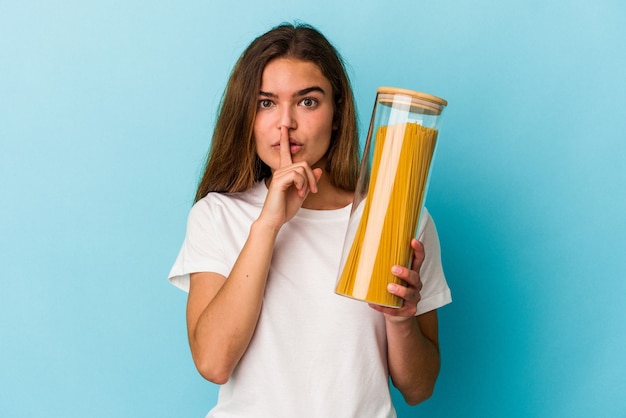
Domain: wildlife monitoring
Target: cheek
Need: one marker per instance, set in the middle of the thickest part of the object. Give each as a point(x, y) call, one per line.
point(324, 128)
point(323, 122)
point(262, 149)
point(330, 127)
point(265, 130)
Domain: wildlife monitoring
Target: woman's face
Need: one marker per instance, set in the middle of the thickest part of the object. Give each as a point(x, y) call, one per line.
point(294, 94)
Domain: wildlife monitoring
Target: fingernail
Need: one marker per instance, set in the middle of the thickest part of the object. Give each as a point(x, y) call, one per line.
point(396, 269)
point(392, 287)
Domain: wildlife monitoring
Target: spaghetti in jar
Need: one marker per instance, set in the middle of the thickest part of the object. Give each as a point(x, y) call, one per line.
point(390, 193)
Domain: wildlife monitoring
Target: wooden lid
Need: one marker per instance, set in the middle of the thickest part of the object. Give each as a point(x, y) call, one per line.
point(418, 99)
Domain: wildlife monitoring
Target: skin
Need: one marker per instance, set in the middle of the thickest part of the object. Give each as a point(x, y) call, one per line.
point(292, 131)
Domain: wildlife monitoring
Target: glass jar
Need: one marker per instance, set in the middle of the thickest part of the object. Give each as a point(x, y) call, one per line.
point(390, 193)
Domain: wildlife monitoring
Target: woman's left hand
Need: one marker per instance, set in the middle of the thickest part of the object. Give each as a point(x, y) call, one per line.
point(409, 293)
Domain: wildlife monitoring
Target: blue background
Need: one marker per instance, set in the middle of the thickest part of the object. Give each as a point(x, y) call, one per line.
point(106, 110)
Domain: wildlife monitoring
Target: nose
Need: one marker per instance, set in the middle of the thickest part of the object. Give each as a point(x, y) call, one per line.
point(287, 118)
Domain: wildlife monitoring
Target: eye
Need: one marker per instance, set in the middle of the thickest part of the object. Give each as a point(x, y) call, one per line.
point(309, 102)
point(265, 104)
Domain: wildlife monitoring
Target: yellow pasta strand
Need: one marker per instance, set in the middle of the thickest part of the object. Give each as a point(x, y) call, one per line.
point(400, 166)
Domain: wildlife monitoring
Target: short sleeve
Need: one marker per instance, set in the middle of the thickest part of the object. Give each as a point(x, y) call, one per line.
point(435, 292)
point(201, 250)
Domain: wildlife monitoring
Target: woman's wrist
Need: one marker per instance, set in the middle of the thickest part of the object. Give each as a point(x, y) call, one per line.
point(260, 226)
point(402, 324)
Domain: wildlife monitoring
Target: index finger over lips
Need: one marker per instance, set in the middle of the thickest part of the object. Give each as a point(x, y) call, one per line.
point(285, 149)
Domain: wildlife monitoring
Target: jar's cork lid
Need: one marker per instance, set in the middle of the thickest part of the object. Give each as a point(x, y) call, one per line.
point(424, 101)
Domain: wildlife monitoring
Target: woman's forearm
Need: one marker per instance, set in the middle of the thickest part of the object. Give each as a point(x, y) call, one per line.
point(413, 356)
point(222, 319)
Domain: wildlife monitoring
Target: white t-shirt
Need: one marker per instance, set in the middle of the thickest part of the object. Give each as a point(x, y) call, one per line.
point(313, 353)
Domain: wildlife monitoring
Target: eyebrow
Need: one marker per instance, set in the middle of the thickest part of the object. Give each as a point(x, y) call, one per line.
point(299, 93)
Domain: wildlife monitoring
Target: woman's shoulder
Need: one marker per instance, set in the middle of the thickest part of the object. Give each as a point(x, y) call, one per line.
point(254, 196)
point(426, 222)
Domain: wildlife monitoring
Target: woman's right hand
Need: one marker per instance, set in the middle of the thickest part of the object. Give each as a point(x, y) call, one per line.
point(289, 186)
point(222, 313)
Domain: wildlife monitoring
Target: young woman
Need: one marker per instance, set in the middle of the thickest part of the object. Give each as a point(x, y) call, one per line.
point(263, 246)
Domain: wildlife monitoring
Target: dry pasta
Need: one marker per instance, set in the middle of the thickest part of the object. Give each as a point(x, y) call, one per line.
point(400, 166)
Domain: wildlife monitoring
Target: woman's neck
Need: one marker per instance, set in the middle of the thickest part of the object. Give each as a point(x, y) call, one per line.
point(328, 196)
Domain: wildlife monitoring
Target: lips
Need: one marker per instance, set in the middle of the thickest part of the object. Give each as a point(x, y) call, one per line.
point(293, 146)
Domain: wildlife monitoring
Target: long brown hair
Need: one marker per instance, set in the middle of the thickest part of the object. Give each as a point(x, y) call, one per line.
point(232, 163)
